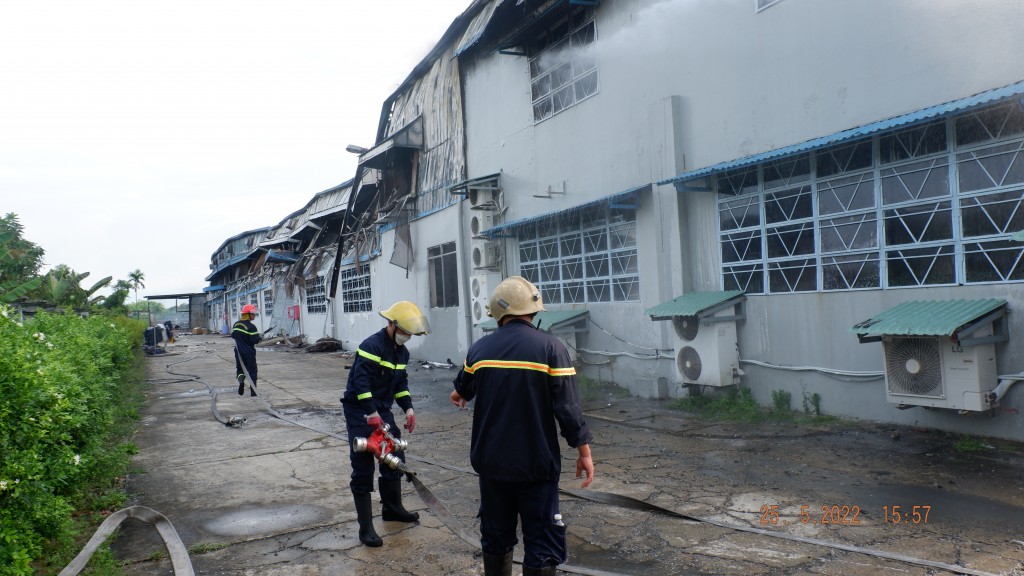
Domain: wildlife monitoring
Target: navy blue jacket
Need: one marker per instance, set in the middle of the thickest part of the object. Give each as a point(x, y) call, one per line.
point(246, 337)
point(523, 383)
point(378, 377)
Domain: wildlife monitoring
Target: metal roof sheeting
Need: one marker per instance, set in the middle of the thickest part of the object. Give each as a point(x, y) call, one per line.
point(691, 304)
point(927, 317)
point(611, 200)
point(859, 132)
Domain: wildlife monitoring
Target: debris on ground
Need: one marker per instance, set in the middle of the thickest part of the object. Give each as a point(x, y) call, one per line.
point(325, 345)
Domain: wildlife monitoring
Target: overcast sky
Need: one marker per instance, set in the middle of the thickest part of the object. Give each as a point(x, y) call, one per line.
point(142, 134)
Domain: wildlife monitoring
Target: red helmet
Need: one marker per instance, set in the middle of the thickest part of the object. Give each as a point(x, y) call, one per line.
point(249, 309)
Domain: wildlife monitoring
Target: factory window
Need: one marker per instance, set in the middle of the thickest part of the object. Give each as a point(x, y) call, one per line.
point(882, 212)
point(585, 256)
point(444, 276)
point(355, 290)
point(316, 296)
point(268, 302)
point(563, 68)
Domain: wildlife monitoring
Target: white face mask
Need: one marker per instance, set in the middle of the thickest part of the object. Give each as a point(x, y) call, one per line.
point(401, 339)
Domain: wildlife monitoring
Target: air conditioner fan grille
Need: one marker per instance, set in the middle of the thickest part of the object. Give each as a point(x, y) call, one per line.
point(913, 366)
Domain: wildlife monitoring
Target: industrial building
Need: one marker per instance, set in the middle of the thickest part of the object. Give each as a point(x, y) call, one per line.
point(817, 197)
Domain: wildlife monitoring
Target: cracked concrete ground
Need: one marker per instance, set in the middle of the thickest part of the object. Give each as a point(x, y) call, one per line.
point(271, 497)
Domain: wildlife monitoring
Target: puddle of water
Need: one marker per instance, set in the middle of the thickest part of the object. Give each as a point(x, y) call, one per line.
point(947, 508)
point(586, 555)
point(255, 521)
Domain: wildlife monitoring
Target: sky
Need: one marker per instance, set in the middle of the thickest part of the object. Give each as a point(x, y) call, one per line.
point(142, 134)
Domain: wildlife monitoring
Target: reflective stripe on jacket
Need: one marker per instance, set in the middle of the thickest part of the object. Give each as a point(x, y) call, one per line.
point(246, 337)
point(524, 388)
point(378, 377)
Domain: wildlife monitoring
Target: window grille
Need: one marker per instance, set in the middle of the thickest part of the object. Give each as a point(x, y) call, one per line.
point(268, 301)
point(585, 256)
point(563, 69)
point(355, 290)
point(927, 205)
point(316, 296)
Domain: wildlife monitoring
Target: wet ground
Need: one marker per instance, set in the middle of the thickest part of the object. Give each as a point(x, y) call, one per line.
point(270, 496)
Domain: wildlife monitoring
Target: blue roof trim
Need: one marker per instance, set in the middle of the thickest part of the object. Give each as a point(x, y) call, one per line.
point(612, 200)
point(216, 288)
point(922, 115)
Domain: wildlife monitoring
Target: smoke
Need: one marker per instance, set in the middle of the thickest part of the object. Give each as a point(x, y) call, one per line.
point(646, 31)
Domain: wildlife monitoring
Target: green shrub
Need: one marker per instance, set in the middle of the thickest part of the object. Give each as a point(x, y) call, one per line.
point(781, 401)
point(61, 389)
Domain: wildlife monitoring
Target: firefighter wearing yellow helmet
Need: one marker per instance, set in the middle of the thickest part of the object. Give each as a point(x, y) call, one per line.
point(377, 380)
point(246, 337)
point(524, 386)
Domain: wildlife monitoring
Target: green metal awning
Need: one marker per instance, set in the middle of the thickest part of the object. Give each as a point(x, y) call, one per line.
point(553, 321)
point(932, 318)
point(695, 304)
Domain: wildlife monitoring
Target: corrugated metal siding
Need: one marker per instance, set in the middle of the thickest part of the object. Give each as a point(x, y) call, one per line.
point(476, 28)
point(927, 317)
point(691, 304)
point(437, 98)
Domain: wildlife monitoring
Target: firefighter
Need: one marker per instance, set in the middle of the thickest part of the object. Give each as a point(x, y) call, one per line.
point(524, 384)
point(377, 380)
point(246, 338)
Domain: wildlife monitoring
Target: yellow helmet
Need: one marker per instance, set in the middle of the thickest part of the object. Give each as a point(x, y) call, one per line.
point(515, 296)
point(408, 317)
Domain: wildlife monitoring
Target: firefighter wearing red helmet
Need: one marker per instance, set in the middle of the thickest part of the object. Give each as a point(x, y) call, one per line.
point(524, 387)
point(246, 337)
point(377, 380)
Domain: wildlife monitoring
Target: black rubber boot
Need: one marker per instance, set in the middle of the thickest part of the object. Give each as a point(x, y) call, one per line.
point(547, 571)
point(391, 502)
point(241, 384)
point(498, 565)
point(364, 510)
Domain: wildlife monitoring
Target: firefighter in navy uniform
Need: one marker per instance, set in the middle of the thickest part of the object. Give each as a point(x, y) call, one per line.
point(246, 337)
point(523, 384)
point(377, 380)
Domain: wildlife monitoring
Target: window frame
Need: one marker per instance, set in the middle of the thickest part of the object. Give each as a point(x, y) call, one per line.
point(443, 271)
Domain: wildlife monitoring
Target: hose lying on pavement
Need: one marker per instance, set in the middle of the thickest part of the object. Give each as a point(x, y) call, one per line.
point(437, 507)
point(180, 560)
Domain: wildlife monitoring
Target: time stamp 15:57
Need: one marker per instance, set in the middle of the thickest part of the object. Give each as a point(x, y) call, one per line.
point(844, 515)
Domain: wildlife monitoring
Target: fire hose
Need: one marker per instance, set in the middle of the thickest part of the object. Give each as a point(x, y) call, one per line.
point(384, 445)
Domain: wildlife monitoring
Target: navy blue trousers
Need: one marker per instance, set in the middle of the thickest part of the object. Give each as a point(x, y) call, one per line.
point(363, 463)
point(250, 363)
point(535, 503)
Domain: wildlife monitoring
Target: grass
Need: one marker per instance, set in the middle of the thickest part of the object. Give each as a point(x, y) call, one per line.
point(738, 405)
point(970, 445)
point(591, 390)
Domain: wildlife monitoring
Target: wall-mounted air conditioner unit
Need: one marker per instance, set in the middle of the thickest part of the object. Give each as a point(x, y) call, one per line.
point(706, 351)
point(486, 255)
point(934, 372)
point(480, 221)
point(482, 199)
point(479, 295)
point(939, 353)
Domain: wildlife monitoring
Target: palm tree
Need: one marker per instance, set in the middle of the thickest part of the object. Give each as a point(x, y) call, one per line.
point(135, 278)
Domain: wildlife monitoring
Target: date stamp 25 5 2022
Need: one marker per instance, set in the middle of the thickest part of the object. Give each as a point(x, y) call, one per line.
point(845, 515)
